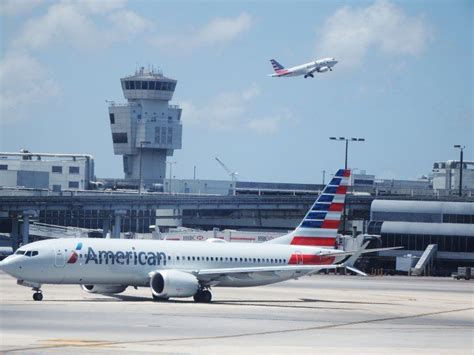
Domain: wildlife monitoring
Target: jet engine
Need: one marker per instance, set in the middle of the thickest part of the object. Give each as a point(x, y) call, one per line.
point(172, 283)
point(104, 289)
point(323, 69)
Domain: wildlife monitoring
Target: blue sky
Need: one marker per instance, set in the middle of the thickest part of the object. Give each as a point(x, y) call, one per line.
point(404, 82)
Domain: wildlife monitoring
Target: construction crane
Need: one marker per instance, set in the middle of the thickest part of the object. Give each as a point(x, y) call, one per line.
point(232, 174)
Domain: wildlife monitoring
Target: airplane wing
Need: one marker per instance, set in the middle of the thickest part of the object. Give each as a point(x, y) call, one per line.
point(216, 275)
point(360, 251)
point(208, 275)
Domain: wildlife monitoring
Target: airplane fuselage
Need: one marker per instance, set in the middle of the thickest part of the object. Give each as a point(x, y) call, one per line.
point(130, 262)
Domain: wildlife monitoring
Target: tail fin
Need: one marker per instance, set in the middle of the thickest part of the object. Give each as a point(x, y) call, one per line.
point(319, 226)
point(276, 66)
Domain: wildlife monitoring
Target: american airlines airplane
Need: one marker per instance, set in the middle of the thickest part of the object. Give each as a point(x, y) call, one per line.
point(189, 269)
point(318, 66)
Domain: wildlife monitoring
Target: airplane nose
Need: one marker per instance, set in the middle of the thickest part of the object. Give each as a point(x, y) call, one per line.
point(7, 265)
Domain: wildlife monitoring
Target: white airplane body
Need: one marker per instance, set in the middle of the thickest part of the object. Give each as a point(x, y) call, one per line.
point(187, 269)
point(307, 69)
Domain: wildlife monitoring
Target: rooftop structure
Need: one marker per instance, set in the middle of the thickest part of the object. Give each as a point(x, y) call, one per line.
point(147, 129)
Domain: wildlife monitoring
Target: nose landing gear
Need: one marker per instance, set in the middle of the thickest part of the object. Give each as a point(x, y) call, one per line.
point(38, 295)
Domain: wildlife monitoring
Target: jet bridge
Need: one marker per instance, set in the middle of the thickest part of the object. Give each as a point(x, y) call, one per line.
point(425, 264)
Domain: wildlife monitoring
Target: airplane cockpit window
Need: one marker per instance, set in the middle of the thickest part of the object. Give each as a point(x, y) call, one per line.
point(20, 252)
point(34, 253)
point(28, 253)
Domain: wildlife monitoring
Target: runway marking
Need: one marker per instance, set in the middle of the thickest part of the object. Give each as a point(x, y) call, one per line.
point(86, 344)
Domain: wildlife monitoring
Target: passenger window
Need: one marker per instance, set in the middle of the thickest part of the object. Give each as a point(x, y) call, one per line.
point(222, 258)
point(207, 258)
point(193, 258)
point(212, 259)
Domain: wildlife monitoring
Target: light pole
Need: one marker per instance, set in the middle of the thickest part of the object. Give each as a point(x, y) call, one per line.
point(347, 140)
point(171, 171)
point(140, 167)
point(461, 148)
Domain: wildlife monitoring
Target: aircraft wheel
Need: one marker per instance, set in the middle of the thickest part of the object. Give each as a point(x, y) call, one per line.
point(206, 296)
point(203, 296)
point(38, 296)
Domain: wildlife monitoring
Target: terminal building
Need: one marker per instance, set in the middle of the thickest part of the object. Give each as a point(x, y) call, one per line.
point(446, 175)
point(415, 225)
point(50, 171)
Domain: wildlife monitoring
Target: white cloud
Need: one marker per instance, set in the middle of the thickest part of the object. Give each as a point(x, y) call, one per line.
point(218, 31)
point(233, 110)
point(270, 124)
point(18, 7)
point(82, 25)
point(100, 6)
point(127, 24)
point(351, 32)
point(37, 87)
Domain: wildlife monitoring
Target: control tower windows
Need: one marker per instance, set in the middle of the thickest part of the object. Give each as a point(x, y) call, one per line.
point(3, 167)
point(73, 170)
point(57, 169)
point(73, 184)
point(170, 135)
point(119, 137)
point(112, 118)
point(163, 135)
point(148, 85)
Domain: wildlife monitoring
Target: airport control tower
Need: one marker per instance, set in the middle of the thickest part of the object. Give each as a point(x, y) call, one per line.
point(146, 129)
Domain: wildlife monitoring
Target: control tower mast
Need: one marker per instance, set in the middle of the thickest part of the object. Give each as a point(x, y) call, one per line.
point(147, 128)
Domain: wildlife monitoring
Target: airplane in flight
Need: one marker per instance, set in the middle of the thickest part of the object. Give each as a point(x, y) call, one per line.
point(190, 269)
point(308, 69)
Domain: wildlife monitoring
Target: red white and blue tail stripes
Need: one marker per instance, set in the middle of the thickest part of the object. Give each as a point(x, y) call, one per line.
point(276, 66)
point(319, 226)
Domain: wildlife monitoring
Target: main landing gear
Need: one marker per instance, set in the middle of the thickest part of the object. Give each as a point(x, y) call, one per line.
point(38, 295)
point(159, 299)
point(203, 296)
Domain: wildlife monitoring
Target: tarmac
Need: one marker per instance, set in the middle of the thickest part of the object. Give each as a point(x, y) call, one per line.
point(314, 315)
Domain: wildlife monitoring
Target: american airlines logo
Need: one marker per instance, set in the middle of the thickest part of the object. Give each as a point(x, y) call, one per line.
point(109, 257)
point(73, 258)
